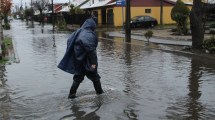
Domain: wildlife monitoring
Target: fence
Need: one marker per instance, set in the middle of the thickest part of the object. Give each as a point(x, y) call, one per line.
point(78, 19)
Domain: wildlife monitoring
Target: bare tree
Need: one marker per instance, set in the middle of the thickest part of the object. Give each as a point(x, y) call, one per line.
point(5, 6)
point(40, 5)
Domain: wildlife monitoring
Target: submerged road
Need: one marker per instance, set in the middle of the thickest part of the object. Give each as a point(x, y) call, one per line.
point(140, 83)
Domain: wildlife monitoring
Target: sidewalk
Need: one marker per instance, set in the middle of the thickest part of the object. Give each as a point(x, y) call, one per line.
point(156, 39)
point(164, 39)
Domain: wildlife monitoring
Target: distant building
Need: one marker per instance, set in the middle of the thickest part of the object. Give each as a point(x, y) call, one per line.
point(109, 13)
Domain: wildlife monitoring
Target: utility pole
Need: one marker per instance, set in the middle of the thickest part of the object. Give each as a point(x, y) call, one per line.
point(161, 12)
point(53, 21)
point(128, 17)
point(1, 30)
point(32, 13)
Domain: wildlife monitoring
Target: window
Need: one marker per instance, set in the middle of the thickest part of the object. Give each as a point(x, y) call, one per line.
point(147, 18)
point(147, 10)
point(140, 18)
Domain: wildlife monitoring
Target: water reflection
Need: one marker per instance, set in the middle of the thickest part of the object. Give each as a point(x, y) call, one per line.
point(80, 112)
point(130, 84)
point(53, 39)
point(194, 105)
point(42, 29)
point(191, 107)
point(33, 31)
point(107, 45)
point(127, 53)
point(31, 25)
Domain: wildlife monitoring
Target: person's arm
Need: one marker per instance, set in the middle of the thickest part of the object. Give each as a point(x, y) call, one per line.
point(92, 56)
point(89, 43)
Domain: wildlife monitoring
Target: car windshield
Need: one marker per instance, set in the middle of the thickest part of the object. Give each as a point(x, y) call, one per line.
point(148, 18)
point(134, 18)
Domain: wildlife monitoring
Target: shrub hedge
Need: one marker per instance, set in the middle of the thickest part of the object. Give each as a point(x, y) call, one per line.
point(209, 44)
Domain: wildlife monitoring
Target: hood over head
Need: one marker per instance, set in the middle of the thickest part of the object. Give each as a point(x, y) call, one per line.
point(89, 24)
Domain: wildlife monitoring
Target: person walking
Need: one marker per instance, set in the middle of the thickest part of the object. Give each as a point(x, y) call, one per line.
point(80, 58)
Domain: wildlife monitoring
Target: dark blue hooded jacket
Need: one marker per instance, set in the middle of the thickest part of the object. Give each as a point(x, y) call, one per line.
point(81, 49)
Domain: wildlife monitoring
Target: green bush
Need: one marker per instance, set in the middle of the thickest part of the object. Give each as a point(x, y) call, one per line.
point(79, 11)
point(7, 42)
point(212, 25)
point(76, 10)
point(5, 46)
point(148, 35)
point(61, 24)
point(212, 32)
point(6, 26)
point(180, 13)
point(209, 44)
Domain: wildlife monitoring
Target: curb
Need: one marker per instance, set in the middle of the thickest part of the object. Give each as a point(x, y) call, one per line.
point(152, 40)
point(159, 37)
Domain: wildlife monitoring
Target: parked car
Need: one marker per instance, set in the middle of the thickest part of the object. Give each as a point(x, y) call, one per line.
point(143, 22)
point(10, 18)
point(17, 17)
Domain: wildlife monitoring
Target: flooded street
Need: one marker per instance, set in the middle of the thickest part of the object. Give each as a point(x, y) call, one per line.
point(140, 83)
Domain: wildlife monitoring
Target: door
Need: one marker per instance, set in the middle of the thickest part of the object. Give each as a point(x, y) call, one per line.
point(95, 13)
point(104, 17)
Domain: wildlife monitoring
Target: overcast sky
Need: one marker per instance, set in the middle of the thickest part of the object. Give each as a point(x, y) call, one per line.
point(18, 2)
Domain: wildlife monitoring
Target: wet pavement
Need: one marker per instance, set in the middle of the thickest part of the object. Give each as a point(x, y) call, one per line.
point(158, 40)
point(140, 82)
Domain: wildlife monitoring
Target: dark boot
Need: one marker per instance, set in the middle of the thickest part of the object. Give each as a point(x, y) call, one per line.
point(73, 90)
point(98, 87)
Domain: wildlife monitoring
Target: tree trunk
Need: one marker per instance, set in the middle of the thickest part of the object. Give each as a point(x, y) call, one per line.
point(5, 19)
point(41, 17)
point(196, 24)
point(1, 37)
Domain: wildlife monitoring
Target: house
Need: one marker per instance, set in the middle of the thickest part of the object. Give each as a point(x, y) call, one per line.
point(108, 12)
point(79, 2)
point(58, 7)
point(102, 9)
point(76, 3)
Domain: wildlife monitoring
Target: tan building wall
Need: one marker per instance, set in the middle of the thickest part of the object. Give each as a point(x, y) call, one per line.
point(99, 16)
point(135, 11)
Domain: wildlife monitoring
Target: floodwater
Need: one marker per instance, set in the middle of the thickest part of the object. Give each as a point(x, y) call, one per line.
point(140, 82)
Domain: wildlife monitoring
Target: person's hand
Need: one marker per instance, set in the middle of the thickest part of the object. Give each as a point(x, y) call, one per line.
point(93, 66)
